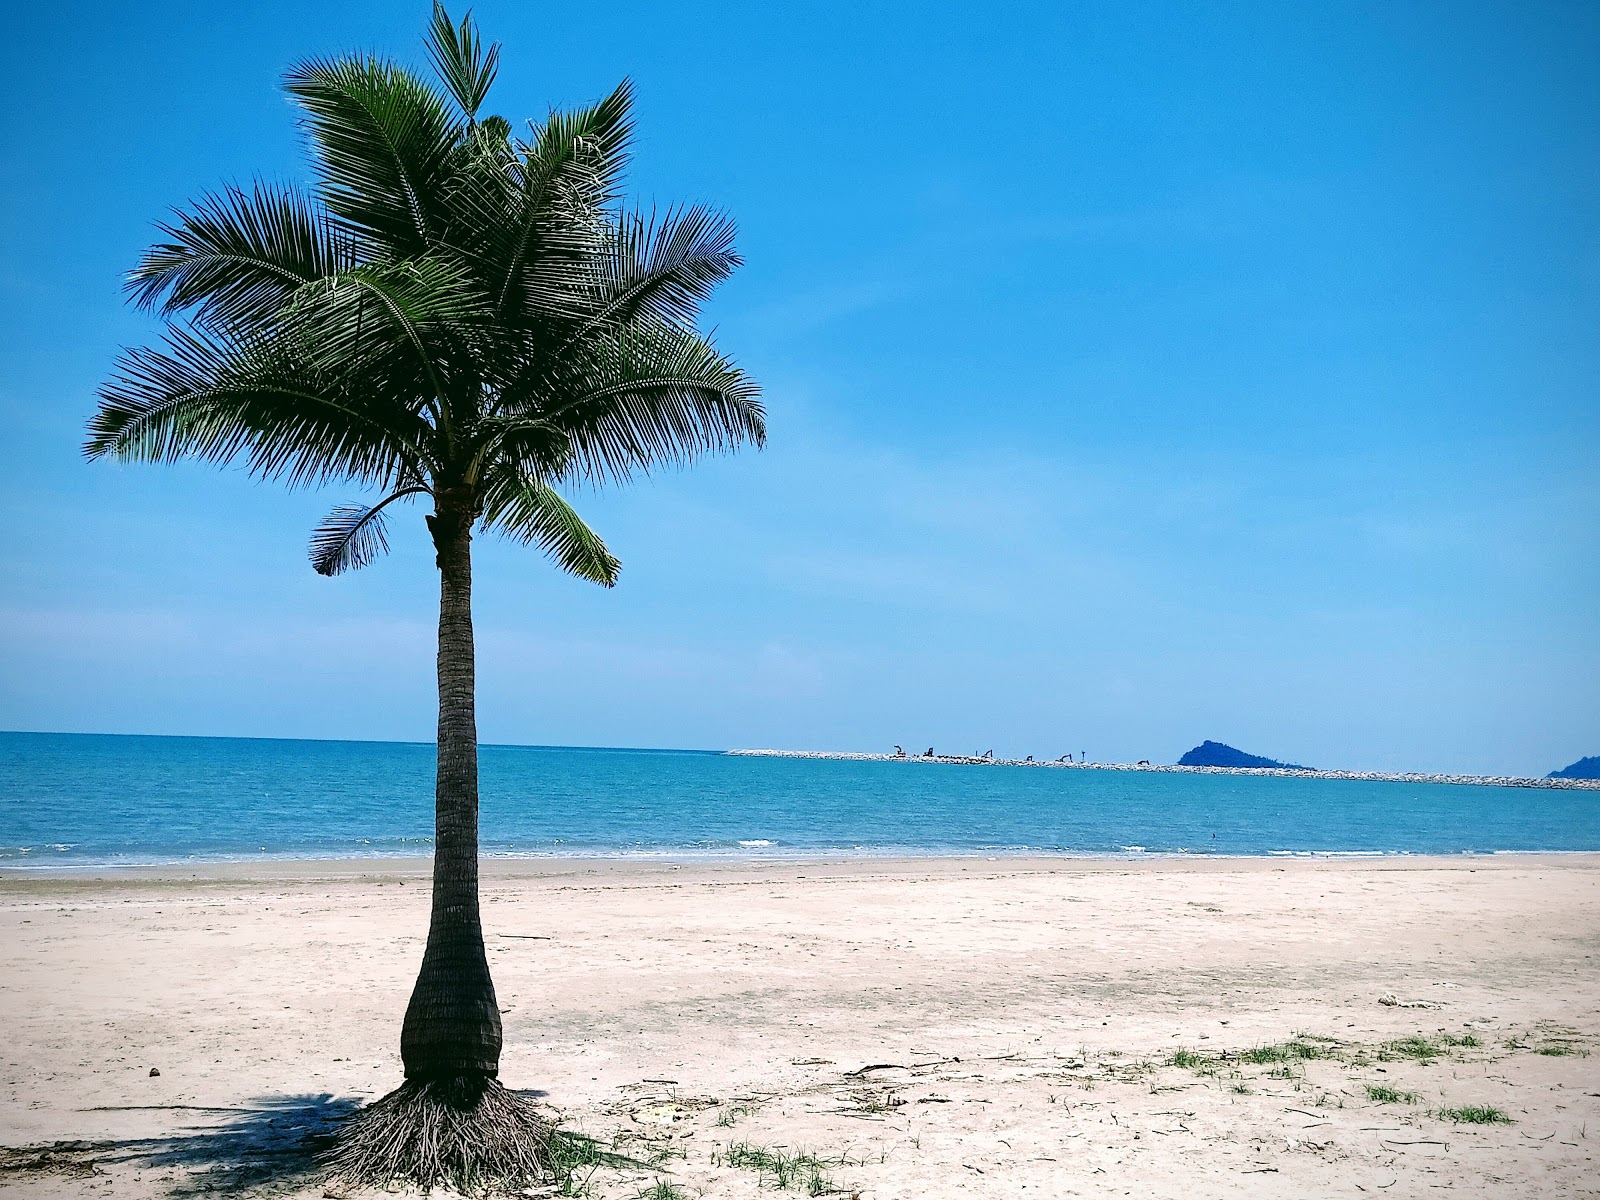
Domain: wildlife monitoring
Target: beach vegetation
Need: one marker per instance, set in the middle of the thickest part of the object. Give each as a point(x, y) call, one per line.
point(662, 1189)
point(1284, 1052)
point(1382, 1094)
point(1474, 1114)
point(1561, 1050)
point(1422, 1049)
point(1425, 1049)
point(575, 1159)
point(457, 316)
point(787, 1170)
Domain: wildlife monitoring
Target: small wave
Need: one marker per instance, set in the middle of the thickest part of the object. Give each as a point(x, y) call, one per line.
point(1131, 849)
point(757, 842)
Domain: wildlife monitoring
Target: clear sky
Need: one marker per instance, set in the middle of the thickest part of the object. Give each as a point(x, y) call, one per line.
point(1137, 374)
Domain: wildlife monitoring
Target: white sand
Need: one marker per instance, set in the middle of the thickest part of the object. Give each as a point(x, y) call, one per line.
point(1042, 998)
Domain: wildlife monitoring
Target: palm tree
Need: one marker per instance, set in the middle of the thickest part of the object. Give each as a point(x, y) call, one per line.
point(461, 317)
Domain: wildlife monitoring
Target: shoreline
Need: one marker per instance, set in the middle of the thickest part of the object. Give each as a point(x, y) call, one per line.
point(684, 867)
point(967, 760)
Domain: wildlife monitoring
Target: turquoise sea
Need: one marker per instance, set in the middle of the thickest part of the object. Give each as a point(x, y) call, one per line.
point(86, 800)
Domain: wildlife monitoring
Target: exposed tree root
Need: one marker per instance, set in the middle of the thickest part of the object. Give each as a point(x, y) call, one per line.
point(470, 1134)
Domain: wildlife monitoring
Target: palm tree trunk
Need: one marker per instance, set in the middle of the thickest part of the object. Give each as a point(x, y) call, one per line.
point(452, 1122)
point(452, 1025)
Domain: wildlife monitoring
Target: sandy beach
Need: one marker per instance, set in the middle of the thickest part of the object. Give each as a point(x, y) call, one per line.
point(920, 1028)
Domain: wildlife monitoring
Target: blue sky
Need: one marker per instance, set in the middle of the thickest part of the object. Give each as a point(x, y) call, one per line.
point(1137, 374)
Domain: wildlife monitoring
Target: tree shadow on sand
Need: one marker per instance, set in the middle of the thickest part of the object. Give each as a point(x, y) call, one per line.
point(264, 1146)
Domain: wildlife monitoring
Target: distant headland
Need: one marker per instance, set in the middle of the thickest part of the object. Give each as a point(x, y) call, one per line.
point(1216, 754)
point(1584, 768)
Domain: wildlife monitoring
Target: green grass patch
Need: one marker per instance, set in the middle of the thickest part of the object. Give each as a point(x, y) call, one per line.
point(1562, 1050)
point(1421, 1049)
point(1424, 1049)
point(576, 1157)
point(1188, 1059)
point(662, 1190)
point(1389, 1095)
point(1284, 1052)
point(799, 1171)
point(1474, 1114)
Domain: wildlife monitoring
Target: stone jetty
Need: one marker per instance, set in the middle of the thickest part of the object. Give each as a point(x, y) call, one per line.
point(1282, 772)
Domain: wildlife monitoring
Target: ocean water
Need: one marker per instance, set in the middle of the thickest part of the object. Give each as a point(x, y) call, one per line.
point(82, 799)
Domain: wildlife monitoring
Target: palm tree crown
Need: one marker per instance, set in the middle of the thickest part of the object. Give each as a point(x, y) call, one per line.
point(453, 310)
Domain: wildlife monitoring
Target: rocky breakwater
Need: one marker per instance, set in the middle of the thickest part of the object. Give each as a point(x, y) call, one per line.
point(1282, 772)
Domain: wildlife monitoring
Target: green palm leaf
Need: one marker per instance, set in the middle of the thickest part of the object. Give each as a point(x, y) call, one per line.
point(465, 65)
point(203, 398)
point(405, 326)
point(237, 258)
point(661, 269)
point(384, 144)
point(534, 226)
point(352, 535)
point(534, 513)
point(657, 396)
point(586, 150)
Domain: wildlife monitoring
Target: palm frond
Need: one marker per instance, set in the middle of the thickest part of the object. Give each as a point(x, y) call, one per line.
point(653, 396)
point(494, 130)
point(420, 310)
point(465, 65)
point(236, 258)
point(207, 399)
point(405, 328)
point(529, 448)
point(539, 249)
point(352, 535)
point(663, 268)
point(384, 143)
point(587, 146)
point(532, 512)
